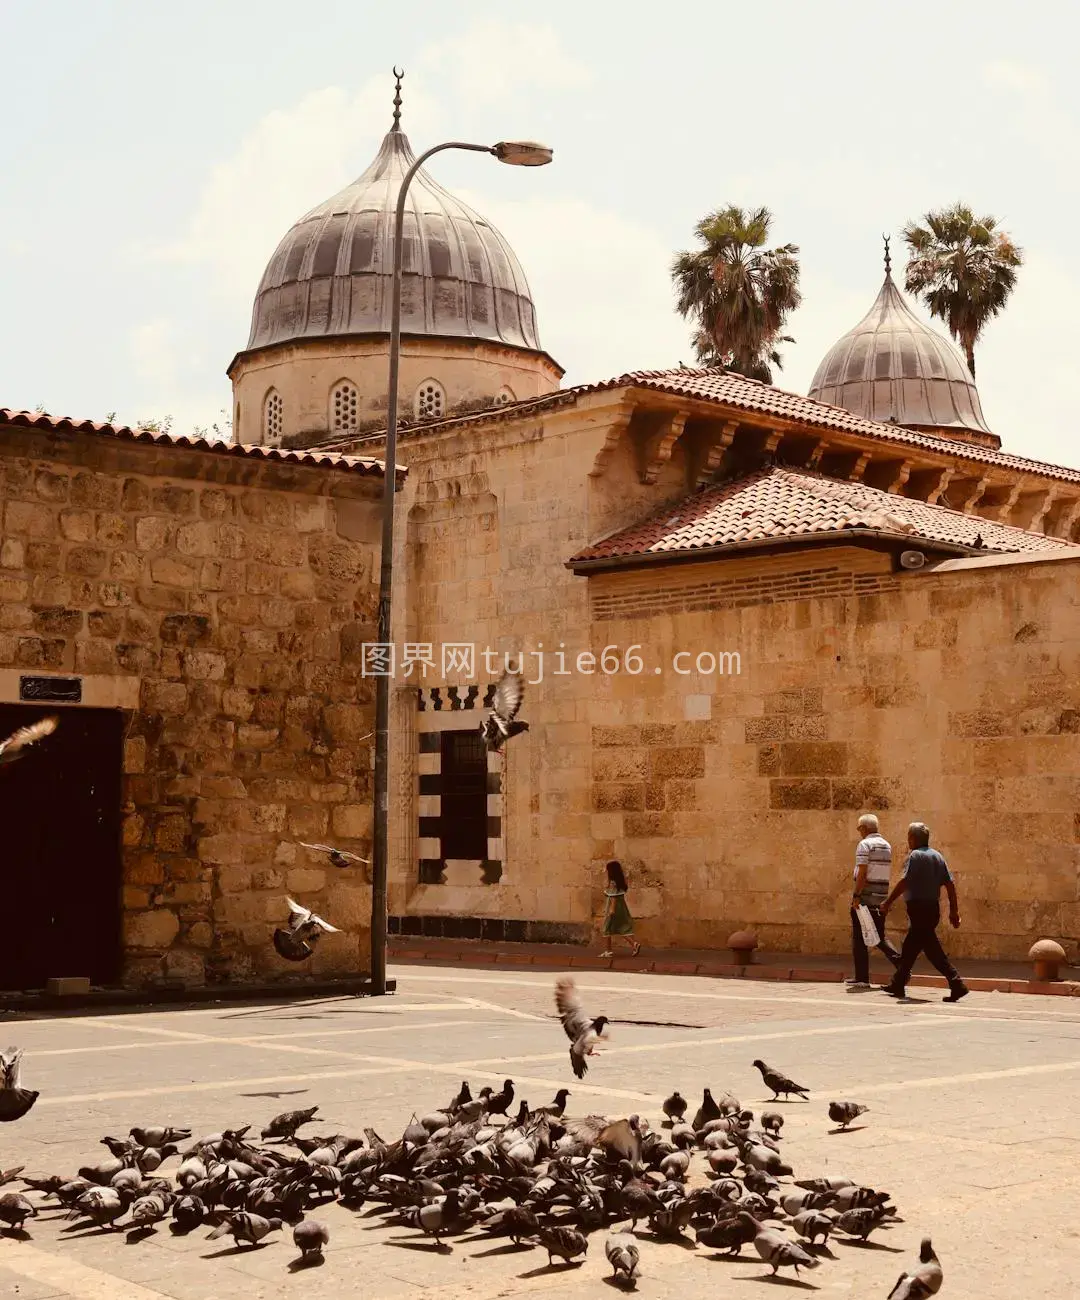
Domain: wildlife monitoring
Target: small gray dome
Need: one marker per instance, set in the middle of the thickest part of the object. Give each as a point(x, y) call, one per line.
point(892, 367)
point(331, 274)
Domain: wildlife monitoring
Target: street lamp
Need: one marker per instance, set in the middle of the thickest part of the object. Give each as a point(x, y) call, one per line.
point(516, 153)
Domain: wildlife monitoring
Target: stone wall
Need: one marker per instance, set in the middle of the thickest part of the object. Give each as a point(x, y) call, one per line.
point(224, 599)
point(951, 696)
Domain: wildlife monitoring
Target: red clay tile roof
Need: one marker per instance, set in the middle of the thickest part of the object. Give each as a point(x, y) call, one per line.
point(299, 456)
point(749, 395)
point(775, 503)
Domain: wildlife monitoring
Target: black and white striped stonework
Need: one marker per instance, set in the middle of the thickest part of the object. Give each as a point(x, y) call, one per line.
point(450, 806)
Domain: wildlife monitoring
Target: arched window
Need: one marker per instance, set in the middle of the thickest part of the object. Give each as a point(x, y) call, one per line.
point(430, 400)
point(344, 401)
point(273, 418)
point(504, 396)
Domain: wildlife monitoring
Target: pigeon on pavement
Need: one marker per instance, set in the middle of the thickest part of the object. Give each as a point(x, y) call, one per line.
point(779, 1083)
point(15, 1209)
point(286, 1124)
point(845, 1112)
point(245, 1227)
point(310, 1238)
point(920, 1282)
point(675, 1106)
point(622, 1254)
point(567, 1243)
point(775, 1249)
point(584, 1033)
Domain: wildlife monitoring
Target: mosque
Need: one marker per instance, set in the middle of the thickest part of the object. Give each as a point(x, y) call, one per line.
point(746, 616)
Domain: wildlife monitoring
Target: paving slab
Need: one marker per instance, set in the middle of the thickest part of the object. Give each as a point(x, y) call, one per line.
point(972, 1126)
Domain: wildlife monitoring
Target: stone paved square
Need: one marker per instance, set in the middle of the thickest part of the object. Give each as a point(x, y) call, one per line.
point(973, 1126)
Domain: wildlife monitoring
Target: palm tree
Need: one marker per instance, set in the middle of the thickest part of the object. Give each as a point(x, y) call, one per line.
point(738, 292)
point(963, 268)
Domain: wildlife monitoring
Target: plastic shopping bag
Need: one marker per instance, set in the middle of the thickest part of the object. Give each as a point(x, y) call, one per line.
point(869, 930)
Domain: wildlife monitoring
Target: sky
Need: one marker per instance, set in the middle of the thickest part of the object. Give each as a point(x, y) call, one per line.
point(153, 155)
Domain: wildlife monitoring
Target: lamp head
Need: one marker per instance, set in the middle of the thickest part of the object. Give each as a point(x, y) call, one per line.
point(522, 153)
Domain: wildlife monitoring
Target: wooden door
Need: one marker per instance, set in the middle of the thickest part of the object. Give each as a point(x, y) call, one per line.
point(60, 849)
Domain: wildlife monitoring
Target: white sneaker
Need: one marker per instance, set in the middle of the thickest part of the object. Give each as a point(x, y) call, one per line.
point(857, 986)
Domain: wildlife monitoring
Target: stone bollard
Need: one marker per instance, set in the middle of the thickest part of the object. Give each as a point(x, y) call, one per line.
point(1048, 956)
point(742, 944)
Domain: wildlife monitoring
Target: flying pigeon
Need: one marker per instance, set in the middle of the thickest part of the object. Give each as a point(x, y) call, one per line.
point(14, 1101)
point(297, 943)
point(923, 1281)
point(340, 858)
point(583, 1033)
point(500, 724)
point(845, 1112)
point(19, 741)
point(779, 1083)
point(623, 1255)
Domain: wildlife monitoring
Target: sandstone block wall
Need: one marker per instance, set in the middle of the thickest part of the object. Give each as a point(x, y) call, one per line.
point(228, 600)
point(949, 697)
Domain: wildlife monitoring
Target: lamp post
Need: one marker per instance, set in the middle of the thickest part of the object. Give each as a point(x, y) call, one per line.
point(517, 153)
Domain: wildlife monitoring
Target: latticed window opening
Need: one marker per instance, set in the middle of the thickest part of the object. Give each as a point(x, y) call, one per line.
point(430, 399)
point(504, 397)
point(273, 417)
point(343, 406)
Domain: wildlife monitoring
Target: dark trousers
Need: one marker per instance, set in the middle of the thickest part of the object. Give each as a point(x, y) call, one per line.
point(923, 918)
point(859, 950)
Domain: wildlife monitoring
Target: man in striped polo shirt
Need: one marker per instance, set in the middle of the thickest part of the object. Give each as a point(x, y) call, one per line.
point(873, 863)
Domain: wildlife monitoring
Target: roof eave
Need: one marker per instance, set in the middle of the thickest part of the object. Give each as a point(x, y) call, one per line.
point(381, 334)
point(833, 537)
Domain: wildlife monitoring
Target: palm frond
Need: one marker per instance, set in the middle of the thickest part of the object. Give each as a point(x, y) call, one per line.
point(963, 268)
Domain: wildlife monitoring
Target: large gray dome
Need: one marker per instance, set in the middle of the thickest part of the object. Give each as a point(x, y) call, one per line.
point(331, 274)
point(892, 367)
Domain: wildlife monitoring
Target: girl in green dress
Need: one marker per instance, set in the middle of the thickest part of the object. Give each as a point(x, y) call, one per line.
point(618, 923)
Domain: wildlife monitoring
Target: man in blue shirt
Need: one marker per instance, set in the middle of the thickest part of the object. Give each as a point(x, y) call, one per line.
point(925, 874)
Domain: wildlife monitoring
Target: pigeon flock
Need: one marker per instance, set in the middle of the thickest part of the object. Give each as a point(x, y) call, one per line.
point(540, 1178)
point(486, 1166)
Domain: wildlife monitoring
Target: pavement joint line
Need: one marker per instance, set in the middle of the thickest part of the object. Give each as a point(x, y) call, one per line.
point(686, 1044)
point(270, 1043)
point(68, 1275)
point(377, 1065)
point(506, 1011)
point(228, 1011)
point(247, 1039)
point(1018, 1013)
